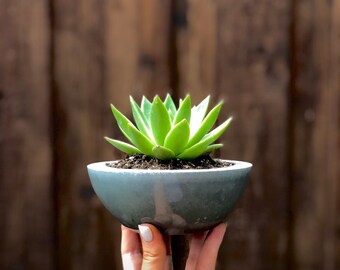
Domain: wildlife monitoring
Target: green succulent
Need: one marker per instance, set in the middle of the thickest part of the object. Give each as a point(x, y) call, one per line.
point(166, 132)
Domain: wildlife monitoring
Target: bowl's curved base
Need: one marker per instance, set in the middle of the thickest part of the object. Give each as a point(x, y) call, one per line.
point(177, 229)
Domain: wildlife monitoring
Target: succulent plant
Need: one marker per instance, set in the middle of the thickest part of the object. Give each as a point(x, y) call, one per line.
point(166, 132)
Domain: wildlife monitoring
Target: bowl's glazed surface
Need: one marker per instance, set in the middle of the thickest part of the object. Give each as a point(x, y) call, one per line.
point(176, 201)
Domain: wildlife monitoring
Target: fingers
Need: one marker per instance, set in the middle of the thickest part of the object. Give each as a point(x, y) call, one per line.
point(154, 248)
point(202, 256)
point(196, 244)
point(131, 249)
point(209, 251)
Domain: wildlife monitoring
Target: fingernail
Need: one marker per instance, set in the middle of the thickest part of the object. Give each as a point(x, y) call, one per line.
point(145, 232)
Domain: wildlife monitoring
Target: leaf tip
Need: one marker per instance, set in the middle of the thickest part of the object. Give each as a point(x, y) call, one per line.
point(157, 99)
point(108, 139)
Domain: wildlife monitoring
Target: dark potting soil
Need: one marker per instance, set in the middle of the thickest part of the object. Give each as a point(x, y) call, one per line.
point(146, 162)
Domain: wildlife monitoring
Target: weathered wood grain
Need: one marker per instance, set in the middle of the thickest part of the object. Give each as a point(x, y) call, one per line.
point(196, 27)
point(137, 48)
point(335, 82)
point(79, 53)
point(315, 134)
point(26, 195)
point(253, 78)
point(332, 233)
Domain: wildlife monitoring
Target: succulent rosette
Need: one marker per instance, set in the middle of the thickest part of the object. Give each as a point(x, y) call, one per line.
point(163, 131)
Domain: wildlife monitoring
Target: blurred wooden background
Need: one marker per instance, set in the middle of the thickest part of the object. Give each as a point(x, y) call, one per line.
point(275, 63)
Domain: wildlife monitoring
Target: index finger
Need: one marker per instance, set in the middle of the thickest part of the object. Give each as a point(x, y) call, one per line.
point(131, 249)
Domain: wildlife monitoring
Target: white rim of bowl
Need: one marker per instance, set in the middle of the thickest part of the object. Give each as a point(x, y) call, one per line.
point(237, 165)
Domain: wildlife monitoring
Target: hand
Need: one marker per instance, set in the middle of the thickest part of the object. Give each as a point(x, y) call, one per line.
point(150, 249)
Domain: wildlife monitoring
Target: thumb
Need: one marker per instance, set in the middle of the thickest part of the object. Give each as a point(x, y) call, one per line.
point(154, 248)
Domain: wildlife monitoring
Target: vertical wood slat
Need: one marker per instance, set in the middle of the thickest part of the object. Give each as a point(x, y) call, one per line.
point(85, 234)
point(335, 83)
point(253, 76)
point(332, 247)
point(78, 68)
point(196, 35)
point(104, 51)
point(315, 137)
point(26, 197)
point(137, 48)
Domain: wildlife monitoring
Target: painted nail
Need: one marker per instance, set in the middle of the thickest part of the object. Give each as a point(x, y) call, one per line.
point(145, 232)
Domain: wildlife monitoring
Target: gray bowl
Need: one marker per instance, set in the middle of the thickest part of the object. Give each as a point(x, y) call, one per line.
point(176, 201)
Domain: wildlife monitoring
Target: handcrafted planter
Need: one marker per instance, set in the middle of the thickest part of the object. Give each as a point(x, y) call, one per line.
point(176, 201)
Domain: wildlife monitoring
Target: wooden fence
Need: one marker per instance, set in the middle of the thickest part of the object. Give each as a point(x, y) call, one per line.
point(275, 63)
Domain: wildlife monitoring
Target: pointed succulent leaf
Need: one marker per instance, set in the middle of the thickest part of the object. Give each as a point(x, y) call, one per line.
point(198, 113)
point(194, 151)
point(217, 132)
point(146, 108)
point(184, 111)
point(178, 137)
point(140, 118)
point(142, 142)
point(205, 126)
point(162, 152)
point(123, 146)
point(122, 121)
point(159, 120)
point(212, 147)
point(201, 147)
point(170, 105)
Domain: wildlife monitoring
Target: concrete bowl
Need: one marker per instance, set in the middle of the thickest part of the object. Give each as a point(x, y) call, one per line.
point(176, 201)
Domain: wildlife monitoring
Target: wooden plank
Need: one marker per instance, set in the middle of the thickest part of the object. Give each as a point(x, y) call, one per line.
point(253, 78)
point(137, 50)
point(78, 29)
point(334, 83)
point(316, 133)
point(104, 51)
point(196, 37)
point(26, 197)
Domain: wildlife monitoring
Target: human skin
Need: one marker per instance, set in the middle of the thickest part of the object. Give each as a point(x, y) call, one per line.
point(149, 249)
